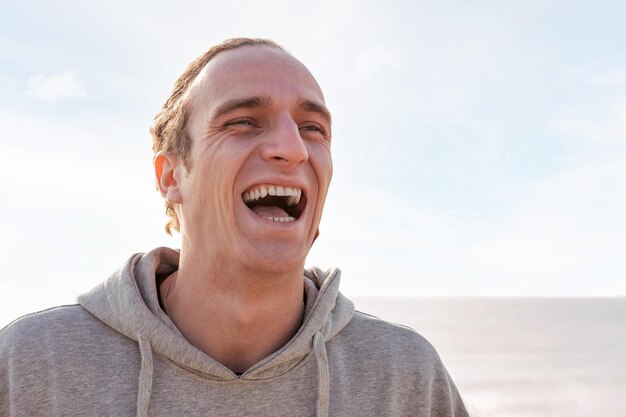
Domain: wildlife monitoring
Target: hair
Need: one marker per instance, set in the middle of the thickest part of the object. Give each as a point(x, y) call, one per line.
point(169, 128)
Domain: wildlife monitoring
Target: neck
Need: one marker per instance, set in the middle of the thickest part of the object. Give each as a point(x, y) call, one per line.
point(237, 318)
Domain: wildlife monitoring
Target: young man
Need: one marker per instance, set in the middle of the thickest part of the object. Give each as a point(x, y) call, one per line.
point(232, 324)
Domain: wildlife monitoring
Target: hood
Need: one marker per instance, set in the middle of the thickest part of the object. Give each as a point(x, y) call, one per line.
point(128, 302)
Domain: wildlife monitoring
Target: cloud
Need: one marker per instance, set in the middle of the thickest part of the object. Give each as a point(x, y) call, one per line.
point(66, 183)
point(567, 229)
point(55, 88)
point(560, 234)
point(611, 128)
point(377, 59)
point(611, 78)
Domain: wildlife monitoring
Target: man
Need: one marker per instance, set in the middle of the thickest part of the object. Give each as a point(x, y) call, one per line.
point(230, 325)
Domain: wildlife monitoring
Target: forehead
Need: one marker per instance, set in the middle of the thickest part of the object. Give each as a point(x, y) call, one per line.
point(253, 71)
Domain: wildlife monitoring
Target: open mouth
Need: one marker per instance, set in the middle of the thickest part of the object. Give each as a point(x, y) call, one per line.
point(276, 203)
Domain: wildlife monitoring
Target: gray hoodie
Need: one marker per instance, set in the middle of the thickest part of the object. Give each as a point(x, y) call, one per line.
point(117, 353)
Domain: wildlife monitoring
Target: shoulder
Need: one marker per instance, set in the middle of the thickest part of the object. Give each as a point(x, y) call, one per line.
point(57, 328)
point(386, 350)
point(29, 342)
point(48, 361)
point(35, 323)
point(61, 338)
point(45, 322)
point(406, 368)
point(391, 340)
point(45, 316)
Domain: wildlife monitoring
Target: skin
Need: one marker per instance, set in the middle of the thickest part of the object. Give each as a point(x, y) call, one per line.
point(257, 116)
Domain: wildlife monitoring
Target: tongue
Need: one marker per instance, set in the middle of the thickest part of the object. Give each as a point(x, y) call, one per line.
point(270, 211)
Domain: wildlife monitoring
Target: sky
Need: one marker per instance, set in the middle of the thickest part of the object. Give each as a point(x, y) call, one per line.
point(479, 147)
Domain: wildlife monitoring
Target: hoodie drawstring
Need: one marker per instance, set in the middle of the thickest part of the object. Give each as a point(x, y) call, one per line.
point(144, 390)
point(323, 378)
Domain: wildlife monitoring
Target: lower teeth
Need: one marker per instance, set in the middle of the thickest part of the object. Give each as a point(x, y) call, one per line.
point(280, 219)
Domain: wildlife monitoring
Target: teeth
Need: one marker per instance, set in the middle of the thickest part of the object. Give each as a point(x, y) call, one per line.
point(280, 219)
point(293, 194)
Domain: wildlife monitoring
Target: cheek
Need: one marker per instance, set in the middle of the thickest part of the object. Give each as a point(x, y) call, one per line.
point(223, 173)
point(322, 164)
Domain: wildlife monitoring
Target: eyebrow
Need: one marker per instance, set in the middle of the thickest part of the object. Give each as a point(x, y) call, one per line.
point(311, 106)
point(264, 101)
point(241, 103)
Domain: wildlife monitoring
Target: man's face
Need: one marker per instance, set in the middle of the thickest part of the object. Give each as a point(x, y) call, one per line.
point(260, 161)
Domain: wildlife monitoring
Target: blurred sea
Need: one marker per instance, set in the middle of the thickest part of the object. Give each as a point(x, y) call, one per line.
point(523, 357)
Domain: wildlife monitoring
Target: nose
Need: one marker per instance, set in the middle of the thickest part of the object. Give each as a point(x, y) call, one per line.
point(284, 145)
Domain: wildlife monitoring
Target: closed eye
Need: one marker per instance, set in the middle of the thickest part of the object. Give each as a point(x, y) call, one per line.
point(242, 121)
point(314, 132)
point(314, 128)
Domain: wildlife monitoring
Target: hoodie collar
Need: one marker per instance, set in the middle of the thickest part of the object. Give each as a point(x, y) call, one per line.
point(128, 302)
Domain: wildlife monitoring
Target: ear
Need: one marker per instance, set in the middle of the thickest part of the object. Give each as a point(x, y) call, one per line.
point(166, 165)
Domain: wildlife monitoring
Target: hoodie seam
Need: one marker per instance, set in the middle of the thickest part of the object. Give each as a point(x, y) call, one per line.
point(25, 316)
point(404, 326)
point(238, 380)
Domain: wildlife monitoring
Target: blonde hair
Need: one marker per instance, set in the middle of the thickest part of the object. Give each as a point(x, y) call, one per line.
point(168, 131)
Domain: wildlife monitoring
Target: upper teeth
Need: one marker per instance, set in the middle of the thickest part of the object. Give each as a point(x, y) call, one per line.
point(293, 194)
